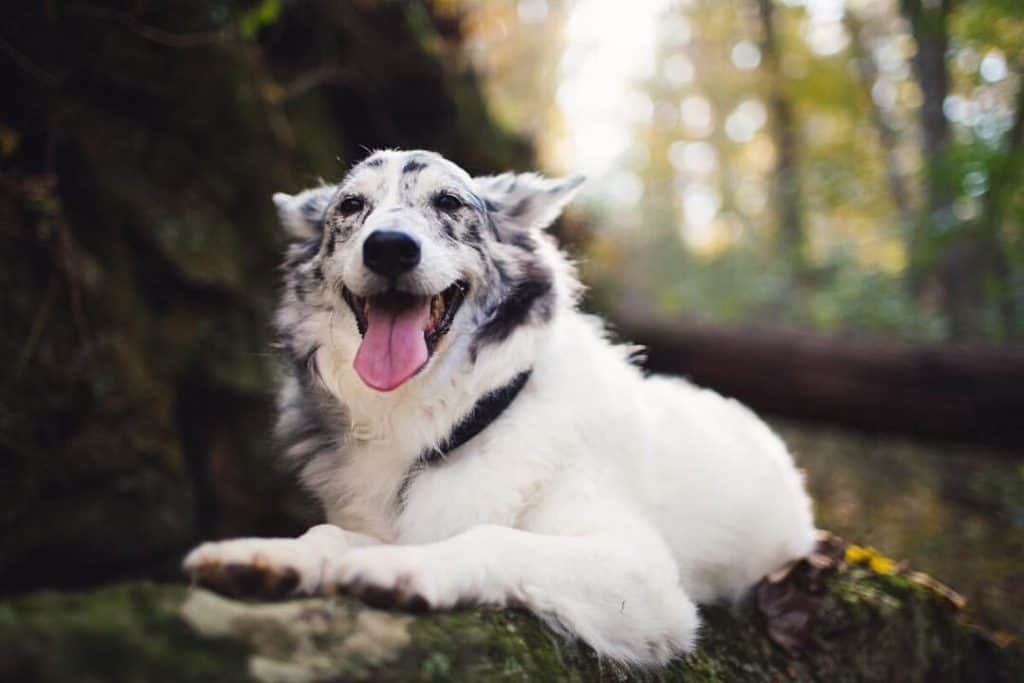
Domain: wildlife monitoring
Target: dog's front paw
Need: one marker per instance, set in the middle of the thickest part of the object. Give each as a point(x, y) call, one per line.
point(257, 567)
point(392, 576)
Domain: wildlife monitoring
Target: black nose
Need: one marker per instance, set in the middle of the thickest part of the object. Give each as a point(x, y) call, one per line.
point(391, 252)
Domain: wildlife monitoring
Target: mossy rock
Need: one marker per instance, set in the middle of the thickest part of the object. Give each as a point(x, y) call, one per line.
point(868, 627)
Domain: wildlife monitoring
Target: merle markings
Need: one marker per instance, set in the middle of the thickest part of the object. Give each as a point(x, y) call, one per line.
point(413, 166)
point(531, 291)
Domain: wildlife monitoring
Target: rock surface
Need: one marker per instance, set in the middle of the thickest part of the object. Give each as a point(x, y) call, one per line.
point(866, 626)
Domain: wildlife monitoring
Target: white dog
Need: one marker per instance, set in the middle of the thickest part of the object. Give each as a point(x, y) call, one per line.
point(475, 439)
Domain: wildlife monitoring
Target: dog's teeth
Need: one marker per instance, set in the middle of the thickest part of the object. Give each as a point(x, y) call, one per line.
point(436, 313)
point(436, 310)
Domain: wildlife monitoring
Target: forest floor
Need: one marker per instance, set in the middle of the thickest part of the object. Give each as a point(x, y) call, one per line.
point(957, 511)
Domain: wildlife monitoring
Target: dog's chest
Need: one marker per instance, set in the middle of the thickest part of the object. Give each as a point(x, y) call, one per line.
point(488, 483)
point(361, 492)
point(385, 486)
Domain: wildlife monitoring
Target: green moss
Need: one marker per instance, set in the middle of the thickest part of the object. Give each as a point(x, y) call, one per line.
point(125, 633)
point(870, 628)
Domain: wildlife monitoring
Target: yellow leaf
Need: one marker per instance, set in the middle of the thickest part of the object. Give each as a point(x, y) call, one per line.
point(875, 561)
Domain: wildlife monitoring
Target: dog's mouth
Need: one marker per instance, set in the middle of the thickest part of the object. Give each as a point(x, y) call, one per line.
point(400, 332)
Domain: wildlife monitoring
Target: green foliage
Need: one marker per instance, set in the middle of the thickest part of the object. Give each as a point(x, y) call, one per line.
point(265, 13)
point(906, 179)
point(749, 283)
point(991, 23)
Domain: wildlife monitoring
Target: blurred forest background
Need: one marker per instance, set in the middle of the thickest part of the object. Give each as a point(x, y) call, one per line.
point(814, 205)
point(850, 167)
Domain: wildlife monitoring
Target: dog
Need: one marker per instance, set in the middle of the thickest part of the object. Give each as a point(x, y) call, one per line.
point(475, 439)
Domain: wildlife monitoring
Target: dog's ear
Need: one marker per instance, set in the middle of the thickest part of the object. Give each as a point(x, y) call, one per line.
point(526, 200)
point(302, 215)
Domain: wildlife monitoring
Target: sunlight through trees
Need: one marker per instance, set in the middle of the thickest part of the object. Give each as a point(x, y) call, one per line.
point(846, 165)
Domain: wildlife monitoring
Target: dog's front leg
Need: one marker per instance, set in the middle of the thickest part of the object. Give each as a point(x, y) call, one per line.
point(618, 592)
point(271, 567)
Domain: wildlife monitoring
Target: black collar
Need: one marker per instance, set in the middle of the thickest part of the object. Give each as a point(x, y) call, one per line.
point(485, 411)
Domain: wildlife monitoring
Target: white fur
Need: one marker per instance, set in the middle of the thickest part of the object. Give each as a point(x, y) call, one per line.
point(605, 502)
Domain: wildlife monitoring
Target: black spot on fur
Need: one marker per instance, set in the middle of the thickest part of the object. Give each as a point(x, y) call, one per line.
point(532, 292)
point(492, 205)
point(343, 227)
point(449, 231)
point(472, 238)
point(298, 276)
point(413, 166)
point(331, 241)
point(473, 233)
point(519, 208)
point(318, 273)
point(523, 240)
point(374, 162)
point(307, 367)
point(302, 252)
point(502, 273)
point(494, 229)
point(313, 213)
point(407, 194)
point(310, 424)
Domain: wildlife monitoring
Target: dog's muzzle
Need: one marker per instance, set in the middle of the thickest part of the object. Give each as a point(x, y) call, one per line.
point(400, 332)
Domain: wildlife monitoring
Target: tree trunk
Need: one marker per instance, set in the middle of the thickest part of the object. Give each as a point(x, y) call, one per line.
point(139, 251)
point(887, 137)
point(928, 272)
point(1003, 178)
point(787, 176)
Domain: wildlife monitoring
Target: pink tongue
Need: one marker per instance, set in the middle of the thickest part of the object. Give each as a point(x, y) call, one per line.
point(393, 347)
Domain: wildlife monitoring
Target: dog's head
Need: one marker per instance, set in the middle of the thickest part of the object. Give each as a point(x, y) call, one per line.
point(409, 256)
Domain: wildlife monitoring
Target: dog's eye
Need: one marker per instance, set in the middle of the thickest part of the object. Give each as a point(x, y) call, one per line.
point(447, 202)
point(351, 205)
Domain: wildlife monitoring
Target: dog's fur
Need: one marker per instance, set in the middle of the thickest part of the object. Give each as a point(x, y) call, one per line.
point(606, 502)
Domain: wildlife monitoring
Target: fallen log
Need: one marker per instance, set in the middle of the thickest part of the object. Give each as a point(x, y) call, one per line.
point(965, 393)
